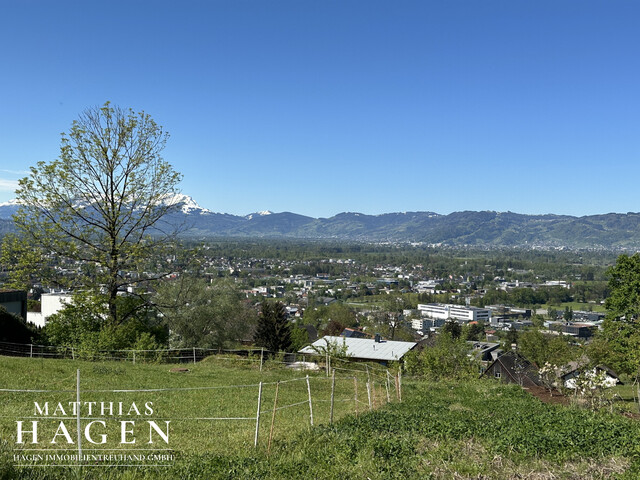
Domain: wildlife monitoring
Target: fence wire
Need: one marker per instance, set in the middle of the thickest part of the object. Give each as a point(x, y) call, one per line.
point(310, 392)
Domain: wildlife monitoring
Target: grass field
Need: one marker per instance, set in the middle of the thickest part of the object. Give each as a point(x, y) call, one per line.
point(477, 429)
point(212, 389)
point(595, 307)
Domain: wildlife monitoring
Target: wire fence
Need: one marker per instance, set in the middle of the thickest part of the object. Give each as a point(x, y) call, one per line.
point(256, 356)
point(309, 398)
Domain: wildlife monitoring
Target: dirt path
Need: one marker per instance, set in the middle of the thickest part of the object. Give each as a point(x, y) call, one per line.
point(546, 397)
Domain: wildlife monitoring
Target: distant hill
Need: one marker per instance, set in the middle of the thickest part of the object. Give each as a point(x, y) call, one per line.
point(480, 229)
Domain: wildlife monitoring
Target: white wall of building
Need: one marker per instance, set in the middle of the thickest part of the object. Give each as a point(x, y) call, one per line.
point(53, 303)
point(50, 303)
point(36, 318)
point(456, 312)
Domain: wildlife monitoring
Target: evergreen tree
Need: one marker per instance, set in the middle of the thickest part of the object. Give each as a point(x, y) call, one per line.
point(274, 330)
point(568, 314)
point(14, 329)
point(453, 328)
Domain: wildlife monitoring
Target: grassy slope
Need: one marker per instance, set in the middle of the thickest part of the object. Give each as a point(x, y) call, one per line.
point(187, 435)
point(473, 430)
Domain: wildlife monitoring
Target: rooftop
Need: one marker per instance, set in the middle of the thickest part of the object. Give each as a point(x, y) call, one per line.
point(364, 348)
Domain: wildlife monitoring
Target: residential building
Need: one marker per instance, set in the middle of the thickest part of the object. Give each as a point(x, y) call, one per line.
point(513, 368)
point(50, 303)
point(425, 324)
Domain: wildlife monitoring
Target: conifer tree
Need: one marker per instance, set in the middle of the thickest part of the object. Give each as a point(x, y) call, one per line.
point(274, 330)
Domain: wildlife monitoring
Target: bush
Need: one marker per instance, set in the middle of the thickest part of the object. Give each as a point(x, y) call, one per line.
point(83, 326)
point(14, 329)
point(447, 358)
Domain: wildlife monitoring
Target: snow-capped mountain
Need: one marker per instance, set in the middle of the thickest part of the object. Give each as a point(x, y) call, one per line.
point(258, 214)
point(186, 204)
point(486, 228)
point(7, 209)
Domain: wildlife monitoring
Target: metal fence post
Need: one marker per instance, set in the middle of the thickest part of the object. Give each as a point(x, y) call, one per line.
point(261, 357)
point(273, 417)
point(255, 441)
point(355, 395)
point(310, 405)
point(326, 362)
point(78, 416)
point(333, 389)
point(386, 384)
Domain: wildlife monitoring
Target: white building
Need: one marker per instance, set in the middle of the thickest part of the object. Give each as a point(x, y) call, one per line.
point(427, 286)
point(50, 303)
point(417, 324)
point(455, 312)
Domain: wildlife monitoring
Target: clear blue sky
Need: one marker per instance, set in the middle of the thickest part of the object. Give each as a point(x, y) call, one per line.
point(324, 106)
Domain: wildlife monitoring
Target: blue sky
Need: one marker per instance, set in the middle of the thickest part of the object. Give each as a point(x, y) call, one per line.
point(319, 107)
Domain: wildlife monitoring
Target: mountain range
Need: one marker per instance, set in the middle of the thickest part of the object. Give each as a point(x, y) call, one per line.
point(468, 228)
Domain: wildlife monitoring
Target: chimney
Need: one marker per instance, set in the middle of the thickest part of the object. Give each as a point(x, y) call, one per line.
point(378, 338)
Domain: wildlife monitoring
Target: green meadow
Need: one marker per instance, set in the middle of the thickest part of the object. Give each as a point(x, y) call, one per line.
point(476, 429)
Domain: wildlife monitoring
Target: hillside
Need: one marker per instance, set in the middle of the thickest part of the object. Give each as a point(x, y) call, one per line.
point(478, 229)
point(475, 429)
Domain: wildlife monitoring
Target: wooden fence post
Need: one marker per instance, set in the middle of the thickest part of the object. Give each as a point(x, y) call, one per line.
point(31, 351)
point(397, 387)
point(400, 383)
point(194, 355)
point(273, 418)
point(369, 394)
point(255, 441)
point(310, 405)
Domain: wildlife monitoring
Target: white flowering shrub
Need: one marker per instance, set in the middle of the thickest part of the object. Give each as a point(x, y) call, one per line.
point(594, 387)
point(548, 375)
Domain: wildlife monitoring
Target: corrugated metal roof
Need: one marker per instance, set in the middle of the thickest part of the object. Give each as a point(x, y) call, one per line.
point(367, 348)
